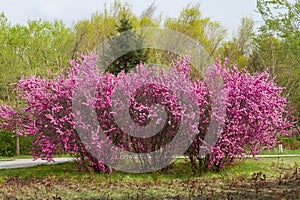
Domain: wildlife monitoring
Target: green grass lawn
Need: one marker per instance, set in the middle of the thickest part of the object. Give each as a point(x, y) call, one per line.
point(181, 170)
point(265, 152)
point(276, 152)
point(68, 181)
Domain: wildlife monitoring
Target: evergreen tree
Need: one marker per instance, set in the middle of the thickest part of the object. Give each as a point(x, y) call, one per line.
point(119, 45)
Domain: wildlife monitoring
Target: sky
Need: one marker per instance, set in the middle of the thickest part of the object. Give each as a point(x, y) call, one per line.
point(227, 12)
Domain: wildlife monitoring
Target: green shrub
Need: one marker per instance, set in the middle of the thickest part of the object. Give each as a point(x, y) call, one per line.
point(291, 143)
point(26, 145)
point(7, 144)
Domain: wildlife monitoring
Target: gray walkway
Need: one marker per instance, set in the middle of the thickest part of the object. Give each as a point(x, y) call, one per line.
point(28, 162)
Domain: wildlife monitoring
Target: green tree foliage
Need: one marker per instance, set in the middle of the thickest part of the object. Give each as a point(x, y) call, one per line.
point(40, 48)
point(190, 22)
point(282, 18)
point(240, 47)
point(7, 143)
point(277, 45)
point(127, 38)
point(89, 33)
point(147, 18)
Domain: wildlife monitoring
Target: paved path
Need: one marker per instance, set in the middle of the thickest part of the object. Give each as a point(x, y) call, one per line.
point(28, 162)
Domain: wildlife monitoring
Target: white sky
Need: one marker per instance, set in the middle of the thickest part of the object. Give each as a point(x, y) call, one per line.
point(227, 12)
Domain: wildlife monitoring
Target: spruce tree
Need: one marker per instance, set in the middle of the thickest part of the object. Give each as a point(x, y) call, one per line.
point(126, 39)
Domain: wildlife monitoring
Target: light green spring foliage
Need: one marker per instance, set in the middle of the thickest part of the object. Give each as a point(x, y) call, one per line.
point(240, 47)
point(39, 48)
point(190, 22)
point(277, 45)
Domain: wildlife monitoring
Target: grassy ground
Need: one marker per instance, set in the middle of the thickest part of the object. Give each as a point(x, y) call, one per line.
point(265, 152)
point(276, 152)
point(3, 158)
point(266, 178)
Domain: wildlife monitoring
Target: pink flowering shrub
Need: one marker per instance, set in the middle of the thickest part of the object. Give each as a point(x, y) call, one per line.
point(255, 113)
point(10, 119)
point(137, 92)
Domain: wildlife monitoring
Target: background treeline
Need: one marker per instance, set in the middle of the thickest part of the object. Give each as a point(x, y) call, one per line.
point(44, 48)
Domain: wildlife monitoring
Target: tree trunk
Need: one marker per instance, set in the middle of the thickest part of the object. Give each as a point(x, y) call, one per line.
point(17, 146)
